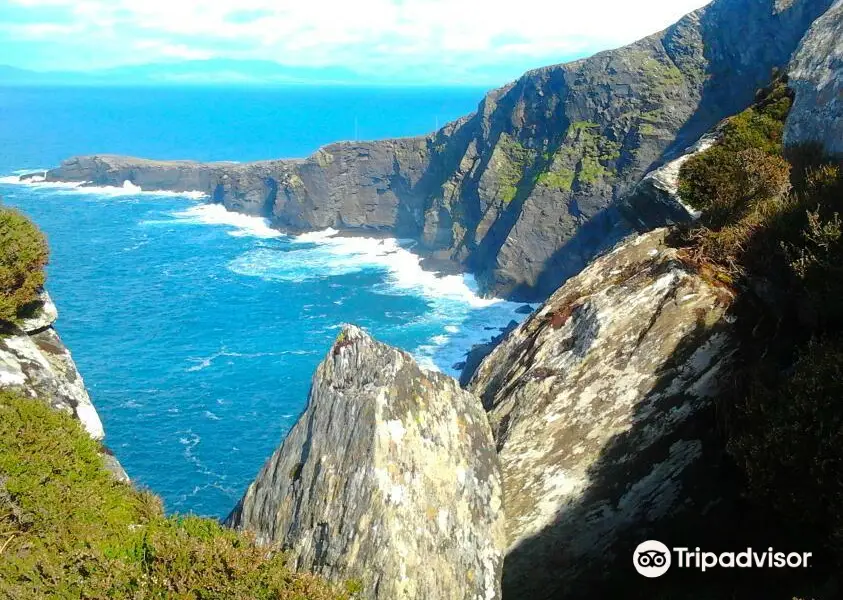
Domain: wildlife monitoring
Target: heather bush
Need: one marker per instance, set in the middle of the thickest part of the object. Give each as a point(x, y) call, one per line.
point(23, 256)
point(791, 439)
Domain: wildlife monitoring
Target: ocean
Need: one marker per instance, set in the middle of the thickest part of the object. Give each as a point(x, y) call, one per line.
point(197, 330)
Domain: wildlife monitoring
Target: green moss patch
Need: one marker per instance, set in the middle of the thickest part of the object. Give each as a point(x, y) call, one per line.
point(510, 163)
point(562, 179)
point(585, 156)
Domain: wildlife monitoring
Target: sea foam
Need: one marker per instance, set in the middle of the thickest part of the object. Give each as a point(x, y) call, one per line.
point(217, 214)
point(319, 254)
point(454, 304)
point(82, 187)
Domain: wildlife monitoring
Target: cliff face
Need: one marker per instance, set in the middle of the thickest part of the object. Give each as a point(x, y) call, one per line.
point(816, 75)
point(524, 191)
point(389, 478)
point(34, 361)
point(601, 406)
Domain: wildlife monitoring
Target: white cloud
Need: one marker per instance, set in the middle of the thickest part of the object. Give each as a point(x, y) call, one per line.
point(181, 51)
point(366, 34)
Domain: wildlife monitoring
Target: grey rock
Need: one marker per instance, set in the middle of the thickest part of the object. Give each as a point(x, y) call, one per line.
point(35, 362)
point(601, 407)
point(41, 367)
point(42, 317)
point(525, 191)
point(655, 201)
point(478, 352)
point(816, 75)
point(389, 478)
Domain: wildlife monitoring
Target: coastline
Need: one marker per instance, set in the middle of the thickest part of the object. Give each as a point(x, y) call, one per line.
point(412, 270)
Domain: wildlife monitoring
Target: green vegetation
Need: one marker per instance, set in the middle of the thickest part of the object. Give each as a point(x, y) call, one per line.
point(791, 439)
point(581, 158)
point(577, 126)
point(562, 179)
point(69, 530)
point(661, 75)
point(511, 161)
point(23, 256)
point(771, 230)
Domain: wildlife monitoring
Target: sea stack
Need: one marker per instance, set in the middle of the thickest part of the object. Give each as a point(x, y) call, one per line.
point(389, 479)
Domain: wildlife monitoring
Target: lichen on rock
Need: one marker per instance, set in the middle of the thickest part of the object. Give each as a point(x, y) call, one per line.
point(389, 478)
point(593, 402)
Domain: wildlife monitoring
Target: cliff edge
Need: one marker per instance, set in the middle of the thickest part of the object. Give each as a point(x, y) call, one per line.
point(35, 362)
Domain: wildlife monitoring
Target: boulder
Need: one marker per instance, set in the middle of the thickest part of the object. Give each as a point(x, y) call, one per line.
point(389, 478)
point(41, 317)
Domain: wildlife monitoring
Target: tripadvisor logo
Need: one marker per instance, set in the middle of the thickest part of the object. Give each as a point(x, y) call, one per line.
point(653, 559)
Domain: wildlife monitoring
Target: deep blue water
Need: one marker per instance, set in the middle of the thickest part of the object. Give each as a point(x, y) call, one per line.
point(197, 330)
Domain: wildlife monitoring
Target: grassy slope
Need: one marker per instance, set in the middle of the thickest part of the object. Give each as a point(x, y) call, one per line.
point(68, 530)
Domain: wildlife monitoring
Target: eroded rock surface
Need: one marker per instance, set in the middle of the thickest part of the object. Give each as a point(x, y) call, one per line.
point(389, 478)
point(35, 362)
point(600, 404)
point(523, 192)
point(816, 74)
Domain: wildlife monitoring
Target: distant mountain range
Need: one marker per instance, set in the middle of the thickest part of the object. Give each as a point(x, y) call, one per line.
point(197, 72)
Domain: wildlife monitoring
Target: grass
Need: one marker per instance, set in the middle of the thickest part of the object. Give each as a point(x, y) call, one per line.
point(584, 157)
point(69, 530)
point(562, 179)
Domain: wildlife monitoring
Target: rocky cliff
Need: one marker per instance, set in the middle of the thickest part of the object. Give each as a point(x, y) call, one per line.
point(389, 478)
point(816, 74)
point(524, 191)
point(601, 406)
point(34, 361)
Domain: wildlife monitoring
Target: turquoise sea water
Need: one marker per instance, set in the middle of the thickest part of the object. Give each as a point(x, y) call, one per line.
point(197, 330)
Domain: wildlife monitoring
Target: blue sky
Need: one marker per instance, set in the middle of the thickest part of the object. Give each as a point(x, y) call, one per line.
point(450, 41)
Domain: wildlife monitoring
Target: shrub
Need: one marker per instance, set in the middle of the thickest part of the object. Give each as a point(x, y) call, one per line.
point(69, 530)
point(23, 256)
point(790, 442)
point(772, 229)
point(726, 184)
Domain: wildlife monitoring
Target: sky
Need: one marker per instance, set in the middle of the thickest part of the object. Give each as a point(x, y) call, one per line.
point(455, 41)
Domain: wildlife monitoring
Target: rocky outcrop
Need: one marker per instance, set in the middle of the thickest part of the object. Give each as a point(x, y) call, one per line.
point(655, 201)
point(816, 75)
point(601, 406)
point(525, 191)
point(478, 352)
point(35, 362)
point(389, 478)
